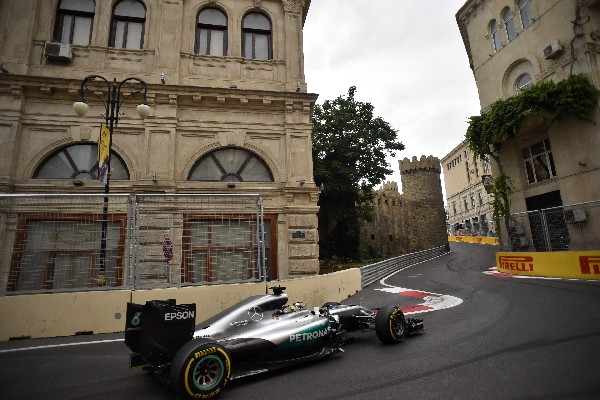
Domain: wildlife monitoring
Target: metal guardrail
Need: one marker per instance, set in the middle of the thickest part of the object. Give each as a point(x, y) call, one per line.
point(374, 272)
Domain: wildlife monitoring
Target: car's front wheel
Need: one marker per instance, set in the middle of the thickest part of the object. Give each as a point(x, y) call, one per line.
point(390, 324)
point(200, 369)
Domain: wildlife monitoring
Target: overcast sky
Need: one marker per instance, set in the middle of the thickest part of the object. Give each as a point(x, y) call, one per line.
point(406, 57)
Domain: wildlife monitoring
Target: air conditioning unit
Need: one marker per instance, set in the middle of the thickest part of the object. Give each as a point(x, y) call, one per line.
point(575, 215)
point(58, 52)
point(553, 50)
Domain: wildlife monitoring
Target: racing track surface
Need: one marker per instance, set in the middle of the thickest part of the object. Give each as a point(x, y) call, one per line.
point(487, 337)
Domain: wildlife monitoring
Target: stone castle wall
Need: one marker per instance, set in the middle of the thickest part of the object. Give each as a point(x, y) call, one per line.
point(412, 221)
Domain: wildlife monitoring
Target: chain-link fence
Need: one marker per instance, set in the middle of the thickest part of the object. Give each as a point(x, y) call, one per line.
point(567, 228)
point(199, 239)
point(63, 242)
point(57, 243)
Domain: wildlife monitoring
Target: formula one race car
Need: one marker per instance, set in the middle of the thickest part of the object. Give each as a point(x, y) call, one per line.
point(256, 335)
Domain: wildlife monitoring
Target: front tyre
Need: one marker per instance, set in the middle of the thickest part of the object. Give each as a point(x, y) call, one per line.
point(200, 369)
point(390, 324)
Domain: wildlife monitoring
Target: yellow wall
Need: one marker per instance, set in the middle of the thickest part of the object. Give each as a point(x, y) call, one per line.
point(65, 314)
point(564, 264)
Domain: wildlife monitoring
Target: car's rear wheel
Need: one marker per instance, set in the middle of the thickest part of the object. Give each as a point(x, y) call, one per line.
point(200, 369)
point(390, 324)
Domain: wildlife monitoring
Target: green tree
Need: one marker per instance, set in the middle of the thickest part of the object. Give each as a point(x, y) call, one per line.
point(350, 146)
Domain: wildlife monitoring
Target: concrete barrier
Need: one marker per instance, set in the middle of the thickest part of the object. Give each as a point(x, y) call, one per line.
point(66, 314)
point(62, 314)
point(562, 264)
point(316, 290)
point(474, 239)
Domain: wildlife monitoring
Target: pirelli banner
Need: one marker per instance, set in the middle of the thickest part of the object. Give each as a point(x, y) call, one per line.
point(474, 239)
point(562, 264)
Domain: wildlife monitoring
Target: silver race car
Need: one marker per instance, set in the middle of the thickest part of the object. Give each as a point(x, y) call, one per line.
point(256, 335)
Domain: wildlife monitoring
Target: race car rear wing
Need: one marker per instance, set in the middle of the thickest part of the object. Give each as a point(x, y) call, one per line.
point(156, 330)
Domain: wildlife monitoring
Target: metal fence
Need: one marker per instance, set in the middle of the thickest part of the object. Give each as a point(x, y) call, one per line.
point(198, 239)
point(58, 243)
point(374, 272)
point(568, 228)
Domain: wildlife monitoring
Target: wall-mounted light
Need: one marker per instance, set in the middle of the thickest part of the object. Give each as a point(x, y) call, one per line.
point(77, 182)
point(154, 177)
point(230, 184)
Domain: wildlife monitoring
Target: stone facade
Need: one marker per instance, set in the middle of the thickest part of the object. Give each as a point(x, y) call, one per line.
point(469, 207)
point(199, 104)
point(545, 40)
point(424, 213)
point(412, 221)
point(385, 235)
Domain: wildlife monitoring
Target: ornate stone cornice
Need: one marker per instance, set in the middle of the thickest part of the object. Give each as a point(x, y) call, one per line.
point(293, 5)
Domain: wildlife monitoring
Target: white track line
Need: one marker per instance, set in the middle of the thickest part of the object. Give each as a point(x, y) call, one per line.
point(431, 301)
point(60, 345)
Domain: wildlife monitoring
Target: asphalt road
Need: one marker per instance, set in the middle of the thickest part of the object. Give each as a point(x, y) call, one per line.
point(488, 337)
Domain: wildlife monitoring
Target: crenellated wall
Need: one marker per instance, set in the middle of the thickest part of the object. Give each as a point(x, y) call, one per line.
point(411, 221)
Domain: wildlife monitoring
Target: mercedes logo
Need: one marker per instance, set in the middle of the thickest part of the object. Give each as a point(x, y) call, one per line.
point(255, 313)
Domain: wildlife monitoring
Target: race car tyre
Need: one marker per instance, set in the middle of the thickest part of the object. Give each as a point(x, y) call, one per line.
point(200, 369)
point(390, 324)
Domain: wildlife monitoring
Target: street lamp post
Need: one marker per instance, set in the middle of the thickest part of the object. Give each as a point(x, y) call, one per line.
point(112, 105)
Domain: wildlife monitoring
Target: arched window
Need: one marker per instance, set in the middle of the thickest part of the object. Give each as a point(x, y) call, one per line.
point(523, 82)
point(230, 165)
point(211, 32)
point(509, 24)
point(74, 19)
point(127, 26)
point(524, 12)
point(257, 41)
point(495, 35)
point(79, 161)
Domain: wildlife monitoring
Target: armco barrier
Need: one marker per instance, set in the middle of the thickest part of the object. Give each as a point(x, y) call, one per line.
point(374, 272)
point(66, 314)
point(563, 264)
point(474, 239)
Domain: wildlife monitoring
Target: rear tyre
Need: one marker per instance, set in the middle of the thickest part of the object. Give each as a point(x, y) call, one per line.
point(390, 324)
point(200, 369)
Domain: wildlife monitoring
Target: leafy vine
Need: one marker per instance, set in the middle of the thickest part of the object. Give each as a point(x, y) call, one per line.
point(575, 96)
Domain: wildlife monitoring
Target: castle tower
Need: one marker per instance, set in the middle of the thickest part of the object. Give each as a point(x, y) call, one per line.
point(423, 210)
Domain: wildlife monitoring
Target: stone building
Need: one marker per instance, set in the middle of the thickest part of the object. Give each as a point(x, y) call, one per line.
point(230, 112)
point(385, 235)
point(412, 221)
point(468, 203)
point(512, 44)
